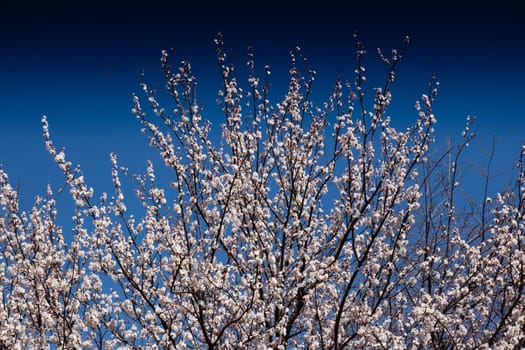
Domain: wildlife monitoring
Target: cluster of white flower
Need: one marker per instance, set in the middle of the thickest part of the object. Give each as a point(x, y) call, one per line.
point(304, 228)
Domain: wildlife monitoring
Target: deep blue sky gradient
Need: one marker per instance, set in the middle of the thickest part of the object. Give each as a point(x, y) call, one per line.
point(80, 63)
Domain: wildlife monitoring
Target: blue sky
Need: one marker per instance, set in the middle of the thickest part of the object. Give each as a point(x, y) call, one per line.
point(79, 65)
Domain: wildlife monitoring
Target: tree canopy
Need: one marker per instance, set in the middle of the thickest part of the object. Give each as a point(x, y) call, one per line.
point(304, 226)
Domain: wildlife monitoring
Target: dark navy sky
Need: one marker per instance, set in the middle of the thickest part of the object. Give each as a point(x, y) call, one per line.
point(79, 65)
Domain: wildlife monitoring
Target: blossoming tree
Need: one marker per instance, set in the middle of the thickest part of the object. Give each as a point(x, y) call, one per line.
point(303, 226)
